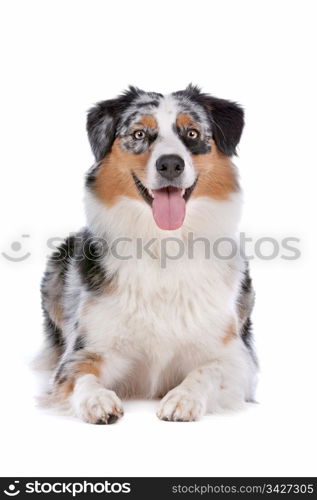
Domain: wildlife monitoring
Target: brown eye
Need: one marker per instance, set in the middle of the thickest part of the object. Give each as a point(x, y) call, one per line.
point(192, 133)
point(139, 134)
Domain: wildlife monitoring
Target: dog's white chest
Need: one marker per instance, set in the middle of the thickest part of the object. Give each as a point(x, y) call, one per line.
point(151, 308)
point(160, 319)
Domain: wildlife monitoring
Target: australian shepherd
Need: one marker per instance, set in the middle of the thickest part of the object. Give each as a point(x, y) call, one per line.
point(152, 298)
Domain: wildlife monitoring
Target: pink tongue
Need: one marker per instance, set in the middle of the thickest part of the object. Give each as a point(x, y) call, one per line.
point(168, 208)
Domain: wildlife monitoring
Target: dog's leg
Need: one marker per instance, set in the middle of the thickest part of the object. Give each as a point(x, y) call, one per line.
point(94, 403)
point(223, 383)
point(78, 381)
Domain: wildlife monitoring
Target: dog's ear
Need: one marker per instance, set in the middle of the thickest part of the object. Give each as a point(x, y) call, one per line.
point(227, 121)
point(101, 127)
point(102, 121)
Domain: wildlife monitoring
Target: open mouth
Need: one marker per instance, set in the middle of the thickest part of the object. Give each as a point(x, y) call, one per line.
point(168, 203)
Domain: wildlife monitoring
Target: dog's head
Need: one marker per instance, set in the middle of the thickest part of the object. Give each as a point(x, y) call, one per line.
point(163, 150)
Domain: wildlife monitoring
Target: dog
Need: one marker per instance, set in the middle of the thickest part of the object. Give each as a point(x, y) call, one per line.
point(163, 323)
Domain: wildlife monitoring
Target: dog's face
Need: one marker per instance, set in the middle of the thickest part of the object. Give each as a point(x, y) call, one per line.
point(163, 150)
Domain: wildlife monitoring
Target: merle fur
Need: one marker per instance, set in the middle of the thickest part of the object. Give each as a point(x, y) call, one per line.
point(84, 253)
point(246, 302)
point(79, 343)
point(62, 257)
point(103, 118)
point(90, 251)
point(226, 118)
point(53, 332)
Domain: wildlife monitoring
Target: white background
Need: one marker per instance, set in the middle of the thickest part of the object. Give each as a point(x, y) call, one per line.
point(58, 58)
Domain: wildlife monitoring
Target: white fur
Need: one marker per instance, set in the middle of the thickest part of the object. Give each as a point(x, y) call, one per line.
point(165, 326)
point(169, 143)
point(92, 402)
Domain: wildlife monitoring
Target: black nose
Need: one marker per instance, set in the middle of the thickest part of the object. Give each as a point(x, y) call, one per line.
point(170, 166)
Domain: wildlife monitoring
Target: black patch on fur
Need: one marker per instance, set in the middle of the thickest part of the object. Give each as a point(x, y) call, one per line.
point(226, 118)
point(54, 334)
point(247, 292)
point(246, 283)
point(89, 253)
point(246, 333)
point(63, 255)
point(91, 174)
point(60, 376)
point(86, 253)
point(152, 136)
point(197, 146)
point(247, 337)
point(148, 103)
point(79, 343)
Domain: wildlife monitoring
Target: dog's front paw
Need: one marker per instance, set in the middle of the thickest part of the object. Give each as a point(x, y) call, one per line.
point(180, 405)
point(102, 406)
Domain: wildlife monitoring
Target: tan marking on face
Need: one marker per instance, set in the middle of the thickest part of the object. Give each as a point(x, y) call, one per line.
point(185, 121)
point(230, 333)
point(114, 177)
point(217, 176)
point(146, 121)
